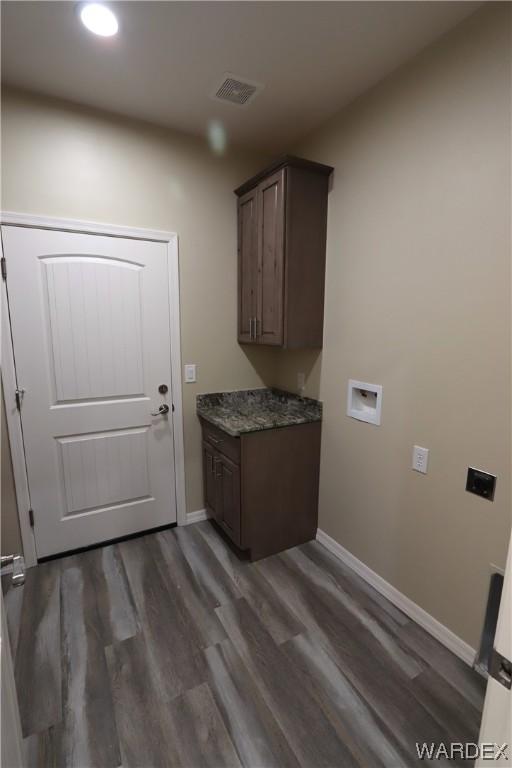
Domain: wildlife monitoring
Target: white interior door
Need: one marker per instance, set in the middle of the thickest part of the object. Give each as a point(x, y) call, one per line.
point(91, 336)
point(496, 729)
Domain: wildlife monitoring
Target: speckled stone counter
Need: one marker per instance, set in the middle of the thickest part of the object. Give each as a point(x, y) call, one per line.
point(252, 410)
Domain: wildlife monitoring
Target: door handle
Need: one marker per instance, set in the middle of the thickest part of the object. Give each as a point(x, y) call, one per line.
point(162, 410)
point(253, 328)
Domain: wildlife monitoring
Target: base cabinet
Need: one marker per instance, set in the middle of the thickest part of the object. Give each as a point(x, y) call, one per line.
point(262, 488)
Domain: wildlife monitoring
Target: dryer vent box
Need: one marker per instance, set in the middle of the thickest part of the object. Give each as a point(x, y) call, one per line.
point(364, 401)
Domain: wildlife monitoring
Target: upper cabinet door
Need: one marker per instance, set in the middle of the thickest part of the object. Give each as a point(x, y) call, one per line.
point(282, 228)
point(247, 266)
point(271, 259)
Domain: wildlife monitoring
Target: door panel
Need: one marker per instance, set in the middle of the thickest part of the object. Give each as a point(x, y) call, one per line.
point(90, 325)
point(271, 255)
point(95, 306)
point(209, 455)
point(100, 470)
point(228, 496)
point(247, 265)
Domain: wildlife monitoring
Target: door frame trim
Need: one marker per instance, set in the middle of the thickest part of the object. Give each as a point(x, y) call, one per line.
point(15, 433)
point(9, 218)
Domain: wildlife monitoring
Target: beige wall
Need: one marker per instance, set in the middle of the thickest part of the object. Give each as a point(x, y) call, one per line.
point(418, 300)
point(418, 294)
point(11, 538)
point(65, 161)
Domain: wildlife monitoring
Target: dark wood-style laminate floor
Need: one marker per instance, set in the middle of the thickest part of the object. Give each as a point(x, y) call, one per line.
point(167, 650)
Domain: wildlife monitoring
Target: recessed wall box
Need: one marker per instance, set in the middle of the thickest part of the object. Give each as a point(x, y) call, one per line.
point(480, 482)
point(364, 401)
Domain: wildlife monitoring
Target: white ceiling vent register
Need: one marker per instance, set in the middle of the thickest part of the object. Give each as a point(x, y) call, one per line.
point(236, 90)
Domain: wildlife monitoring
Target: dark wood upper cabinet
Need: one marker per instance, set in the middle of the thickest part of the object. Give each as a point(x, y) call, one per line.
point(282, 227)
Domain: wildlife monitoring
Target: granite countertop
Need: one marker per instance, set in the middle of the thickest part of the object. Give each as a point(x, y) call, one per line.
point(251, 410)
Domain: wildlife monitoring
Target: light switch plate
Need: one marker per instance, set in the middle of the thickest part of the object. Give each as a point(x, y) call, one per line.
point(420, 459)
point(190, 373)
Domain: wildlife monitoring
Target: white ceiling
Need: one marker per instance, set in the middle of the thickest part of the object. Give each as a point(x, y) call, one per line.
point(312, 57)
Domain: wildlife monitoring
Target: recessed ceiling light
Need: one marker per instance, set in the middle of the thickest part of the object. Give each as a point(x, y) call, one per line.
point(99, 19)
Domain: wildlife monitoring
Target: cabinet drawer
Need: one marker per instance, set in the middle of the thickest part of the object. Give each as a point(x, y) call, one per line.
point(222, 442)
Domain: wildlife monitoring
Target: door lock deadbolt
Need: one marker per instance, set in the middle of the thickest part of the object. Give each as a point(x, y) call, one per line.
point(163, 389)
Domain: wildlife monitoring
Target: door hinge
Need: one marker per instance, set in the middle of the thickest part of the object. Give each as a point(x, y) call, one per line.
point(4, 268)
point(500, 668)
point(19, 395)
point(31, 517)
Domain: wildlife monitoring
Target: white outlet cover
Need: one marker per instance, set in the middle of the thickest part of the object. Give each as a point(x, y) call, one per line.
point(190, 373)
point(420, 459)
point(364, 401)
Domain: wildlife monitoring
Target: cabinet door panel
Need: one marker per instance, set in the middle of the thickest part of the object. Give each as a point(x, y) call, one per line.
point(228, 495)
point(271, 259)
point(210, 487)
point(247, 265)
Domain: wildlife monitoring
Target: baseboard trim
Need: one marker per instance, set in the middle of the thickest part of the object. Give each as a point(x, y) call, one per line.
point(445, 636)
point(197, 516)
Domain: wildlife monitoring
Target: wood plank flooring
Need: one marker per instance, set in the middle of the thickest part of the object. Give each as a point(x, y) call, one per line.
point(168, 650)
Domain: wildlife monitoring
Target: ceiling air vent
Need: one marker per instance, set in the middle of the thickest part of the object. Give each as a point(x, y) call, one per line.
point(236, 90)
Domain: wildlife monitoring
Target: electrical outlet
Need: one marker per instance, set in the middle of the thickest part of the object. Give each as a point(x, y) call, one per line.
point(301, 381)
point(420, 459)
point(190, 373)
